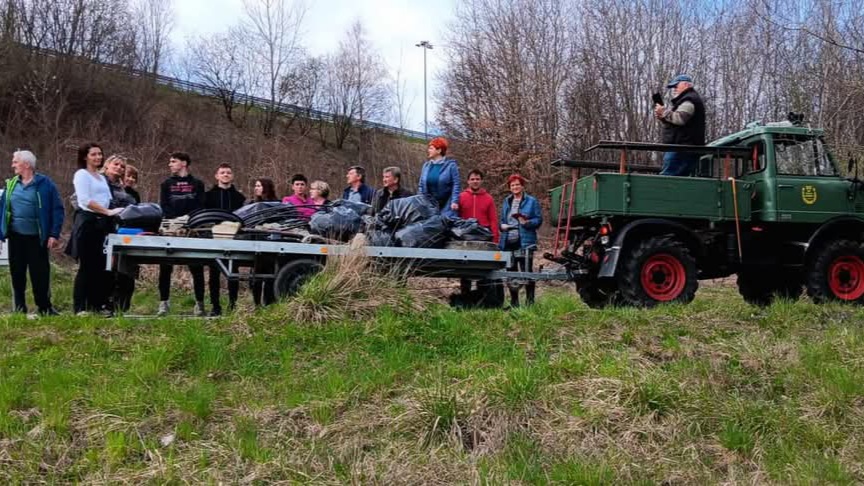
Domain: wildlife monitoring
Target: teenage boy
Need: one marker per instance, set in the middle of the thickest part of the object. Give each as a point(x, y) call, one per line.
point(223, 196)
point(179, 195)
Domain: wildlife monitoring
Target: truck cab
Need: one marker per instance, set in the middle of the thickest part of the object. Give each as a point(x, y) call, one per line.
point(768, 203)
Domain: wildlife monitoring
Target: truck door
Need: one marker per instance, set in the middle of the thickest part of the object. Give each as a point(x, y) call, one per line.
point(809, 188)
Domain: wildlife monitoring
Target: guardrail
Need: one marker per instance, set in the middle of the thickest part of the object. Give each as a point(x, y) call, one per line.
point(240, 98)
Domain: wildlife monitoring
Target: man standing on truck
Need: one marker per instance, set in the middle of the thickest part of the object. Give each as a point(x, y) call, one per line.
point(683, 123)
point(179, 195)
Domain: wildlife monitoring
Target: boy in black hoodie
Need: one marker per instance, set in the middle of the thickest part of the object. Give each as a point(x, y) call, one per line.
point(223, 196)
point(179, 195)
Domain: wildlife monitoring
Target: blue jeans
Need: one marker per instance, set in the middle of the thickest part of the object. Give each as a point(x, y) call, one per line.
point(679, 164)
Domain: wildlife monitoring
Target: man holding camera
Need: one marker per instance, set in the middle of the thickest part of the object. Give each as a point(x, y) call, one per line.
point(683, 124)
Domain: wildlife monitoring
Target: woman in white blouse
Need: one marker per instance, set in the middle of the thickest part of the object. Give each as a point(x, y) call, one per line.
point(93, 221)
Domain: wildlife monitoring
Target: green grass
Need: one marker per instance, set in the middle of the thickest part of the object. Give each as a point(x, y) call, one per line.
point(713, 392)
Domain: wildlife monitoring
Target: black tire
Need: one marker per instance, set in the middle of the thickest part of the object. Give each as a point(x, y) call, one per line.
point(836, 273)
point(492, 294)
point(599, 295)
point(293, 275)
point(761, 286)
point(657, 270)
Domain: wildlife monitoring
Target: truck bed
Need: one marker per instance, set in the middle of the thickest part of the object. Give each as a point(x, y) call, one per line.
point(610, 194)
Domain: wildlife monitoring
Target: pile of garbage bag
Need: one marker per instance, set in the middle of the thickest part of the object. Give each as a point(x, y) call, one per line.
point(146, 216)
point(414, 222)
point(337, 223)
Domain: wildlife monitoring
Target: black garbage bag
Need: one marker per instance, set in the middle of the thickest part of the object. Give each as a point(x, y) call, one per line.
point(249, 209)
point(360, 208)
point(147, 216)
point(431, 233)
point(402, 212)
point(341, 223)
point(381, 238)
point(469, 230)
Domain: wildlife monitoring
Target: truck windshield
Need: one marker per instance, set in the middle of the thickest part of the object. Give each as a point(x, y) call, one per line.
point(802, 157)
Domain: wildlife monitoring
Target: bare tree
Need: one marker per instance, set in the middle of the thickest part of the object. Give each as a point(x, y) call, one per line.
point(219, 62)
point(302, 88)
point(356, 86)
point(155, 23)
point(272, 35)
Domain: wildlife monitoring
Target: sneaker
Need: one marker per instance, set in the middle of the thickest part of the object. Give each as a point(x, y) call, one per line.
point(215, 312)
point(164, 307)
point(83, 313)
point(198, 311)
point(106, 313)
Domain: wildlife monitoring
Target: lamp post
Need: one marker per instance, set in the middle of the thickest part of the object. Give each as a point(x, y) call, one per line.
point(426, 45)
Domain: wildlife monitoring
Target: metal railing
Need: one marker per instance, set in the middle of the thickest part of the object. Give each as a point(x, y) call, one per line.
point(238, 98)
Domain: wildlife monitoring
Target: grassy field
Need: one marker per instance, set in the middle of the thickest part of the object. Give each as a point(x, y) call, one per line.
point(714, 392)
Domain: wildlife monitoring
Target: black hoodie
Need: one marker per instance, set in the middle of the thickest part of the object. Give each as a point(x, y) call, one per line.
point(179, 196)
point(228, 199)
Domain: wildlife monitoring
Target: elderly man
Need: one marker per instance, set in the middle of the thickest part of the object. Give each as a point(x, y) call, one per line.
point(683, 123)
point(391, 179)
point(31, 222)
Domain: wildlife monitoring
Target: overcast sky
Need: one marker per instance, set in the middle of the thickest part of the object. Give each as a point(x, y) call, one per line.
point(394, 27)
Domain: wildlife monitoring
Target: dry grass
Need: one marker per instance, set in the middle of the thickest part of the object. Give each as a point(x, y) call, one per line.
point(351, 288)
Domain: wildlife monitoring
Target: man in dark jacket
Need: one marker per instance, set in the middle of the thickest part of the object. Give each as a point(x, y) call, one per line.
point(357, 190)
point(683, 124)
point(179, 195)
point(392, 182)
point(223, 196)
point(31, 220)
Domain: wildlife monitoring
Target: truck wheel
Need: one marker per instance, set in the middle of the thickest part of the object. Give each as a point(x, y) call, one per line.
point(761, 286)
point(837, 273)
point(657, 270)
point(598, 295)
point(293, 275)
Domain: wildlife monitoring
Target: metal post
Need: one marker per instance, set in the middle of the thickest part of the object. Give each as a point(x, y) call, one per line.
point(426, 45)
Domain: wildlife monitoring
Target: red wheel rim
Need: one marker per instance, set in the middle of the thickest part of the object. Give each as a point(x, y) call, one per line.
point(846, 277)
point(663, 277)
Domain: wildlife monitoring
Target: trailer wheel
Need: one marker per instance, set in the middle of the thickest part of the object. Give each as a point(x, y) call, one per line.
point(836, 273)
point(658, 270)
point(492, 294)
point(760, 286)
point(293, 275)
point(597, 295)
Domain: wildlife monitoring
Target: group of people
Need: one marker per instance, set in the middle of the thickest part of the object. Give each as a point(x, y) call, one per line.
point(33, 216)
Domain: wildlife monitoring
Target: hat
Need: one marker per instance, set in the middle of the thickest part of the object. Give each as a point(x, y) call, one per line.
point(681, 78)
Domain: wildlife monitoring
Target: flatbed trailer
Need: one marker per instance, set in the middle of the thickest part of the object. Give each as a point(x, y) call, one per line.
point(289, 264)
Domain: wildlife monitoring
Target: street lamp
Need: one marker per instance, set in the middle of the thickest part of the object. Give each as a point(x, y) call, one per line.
point(426, 45)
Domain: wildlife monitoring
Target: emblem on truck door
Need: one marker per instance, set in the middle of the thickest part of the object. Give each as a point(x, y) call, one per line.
point(808, 194)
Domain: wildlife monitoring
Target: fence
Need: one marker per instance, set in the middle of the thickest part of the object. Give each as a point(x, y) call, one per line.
point(240, 98)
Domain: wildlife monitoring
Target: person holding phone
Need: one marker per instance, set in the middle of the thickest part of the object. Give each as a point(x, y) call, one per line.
point(521, 215)
point(683, 124)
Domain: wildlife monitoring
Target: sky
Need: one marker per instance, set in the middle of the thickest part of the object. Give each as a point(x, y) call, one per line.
point(393, 26)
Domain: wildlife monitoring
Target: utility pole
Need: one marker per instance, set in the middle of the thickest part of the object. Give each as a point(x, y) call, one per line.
point(426, 45)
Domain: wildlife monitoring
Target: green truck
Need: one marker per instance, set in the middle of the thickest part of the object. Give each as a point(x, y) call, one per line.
point(768, 204)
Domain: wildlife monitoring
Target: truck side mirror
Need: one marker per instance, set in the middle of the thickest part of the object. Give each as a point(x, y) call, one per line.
point(852, 166)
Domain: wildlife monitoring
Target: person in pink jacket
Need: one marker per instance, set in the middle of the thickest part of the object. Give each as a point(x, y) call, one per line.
point(300, 198)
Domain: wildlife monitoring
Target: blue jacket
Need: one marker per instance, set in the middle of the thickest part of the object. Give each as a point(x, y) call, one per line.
point(530, 207)
point(448, 182)
point(366, 193)
point(51, 210)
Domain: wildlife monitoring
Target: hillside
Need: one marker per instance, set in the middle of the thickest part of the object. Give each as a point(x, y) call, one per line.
point(52, 104)
point(714, 392)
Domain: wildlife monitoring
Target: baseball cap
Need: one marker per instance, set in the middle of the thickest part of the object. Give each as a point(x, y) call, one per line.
point(681, 78)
